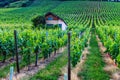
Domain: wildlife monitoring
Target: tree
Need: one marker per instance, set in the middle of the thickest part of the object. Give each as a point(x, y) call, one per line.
point(39, 21)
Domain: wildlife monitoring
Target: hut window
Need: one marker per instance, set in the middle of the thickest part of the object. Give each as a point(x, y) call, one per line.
point(49, 24)
point(50, 18)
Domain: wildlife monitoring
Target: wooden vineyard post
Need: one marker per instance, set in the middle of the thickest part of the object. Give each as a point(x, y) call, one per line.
point(55, 52)
point(28, 61)
point(36, 59)
point(16, 51)
point(69, 66)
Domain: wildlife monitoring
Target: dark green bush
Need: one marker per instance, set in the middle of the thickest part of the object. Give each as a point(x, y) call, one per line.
point(39, 21)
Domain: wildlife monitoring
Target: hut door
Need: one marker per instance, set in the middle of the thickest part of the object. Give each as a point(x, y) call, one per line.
point(60, 26)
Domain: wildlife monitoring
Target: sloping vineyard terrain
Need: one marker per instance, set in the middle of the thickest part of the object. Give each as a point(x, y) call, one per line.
point(84, 18)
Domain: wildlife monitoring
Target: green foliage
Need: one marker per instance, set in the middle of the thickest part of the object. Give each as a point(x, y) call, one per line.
point(79, 16)
point(110, 38)
point(78, 43)
point(39, 21)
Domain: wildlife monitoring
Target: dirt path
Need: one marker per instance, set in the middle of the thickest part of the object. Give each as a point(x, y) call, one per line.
point(25, 74)
point(110, 67)
point(78, 67)
point(7, 62)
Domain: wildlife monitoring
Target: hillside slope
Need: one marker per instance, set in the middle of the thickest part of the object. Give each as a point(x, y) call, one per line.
point(15, 3)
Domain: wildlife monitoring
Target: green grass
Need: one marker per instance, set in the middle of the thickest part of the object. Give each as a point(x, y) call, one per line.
point(7, 57)
point(52, 70)
point(93, 67)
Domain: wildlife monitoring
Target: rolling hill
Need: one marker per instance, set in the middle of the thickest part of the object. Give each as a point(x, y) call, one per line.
point(15, 3)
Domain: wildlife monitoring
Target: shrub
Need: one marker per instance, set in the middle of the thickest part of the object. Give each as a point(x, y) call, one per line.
point(38, 21)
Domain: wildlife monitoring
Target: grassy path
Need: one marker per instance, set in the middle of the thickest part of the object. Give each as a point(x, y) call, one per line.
point(53, 70)
point(93, 67)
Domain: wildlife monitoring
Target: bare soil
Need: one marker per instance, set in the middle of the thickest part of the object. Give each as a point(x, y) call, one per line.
point(111, 66)
point(8, 61)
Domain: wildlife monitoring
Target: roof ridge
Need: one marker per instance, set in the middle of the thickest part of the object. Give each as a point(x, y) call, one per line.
point(48, 13)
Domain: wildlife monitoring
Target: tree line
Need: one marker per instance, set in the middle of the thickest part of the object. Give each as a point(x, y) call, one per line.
point(4, 3)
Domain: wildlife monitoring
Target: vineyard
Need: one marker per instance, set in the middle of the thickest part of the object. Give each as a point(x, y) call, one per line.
point(43, 53)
